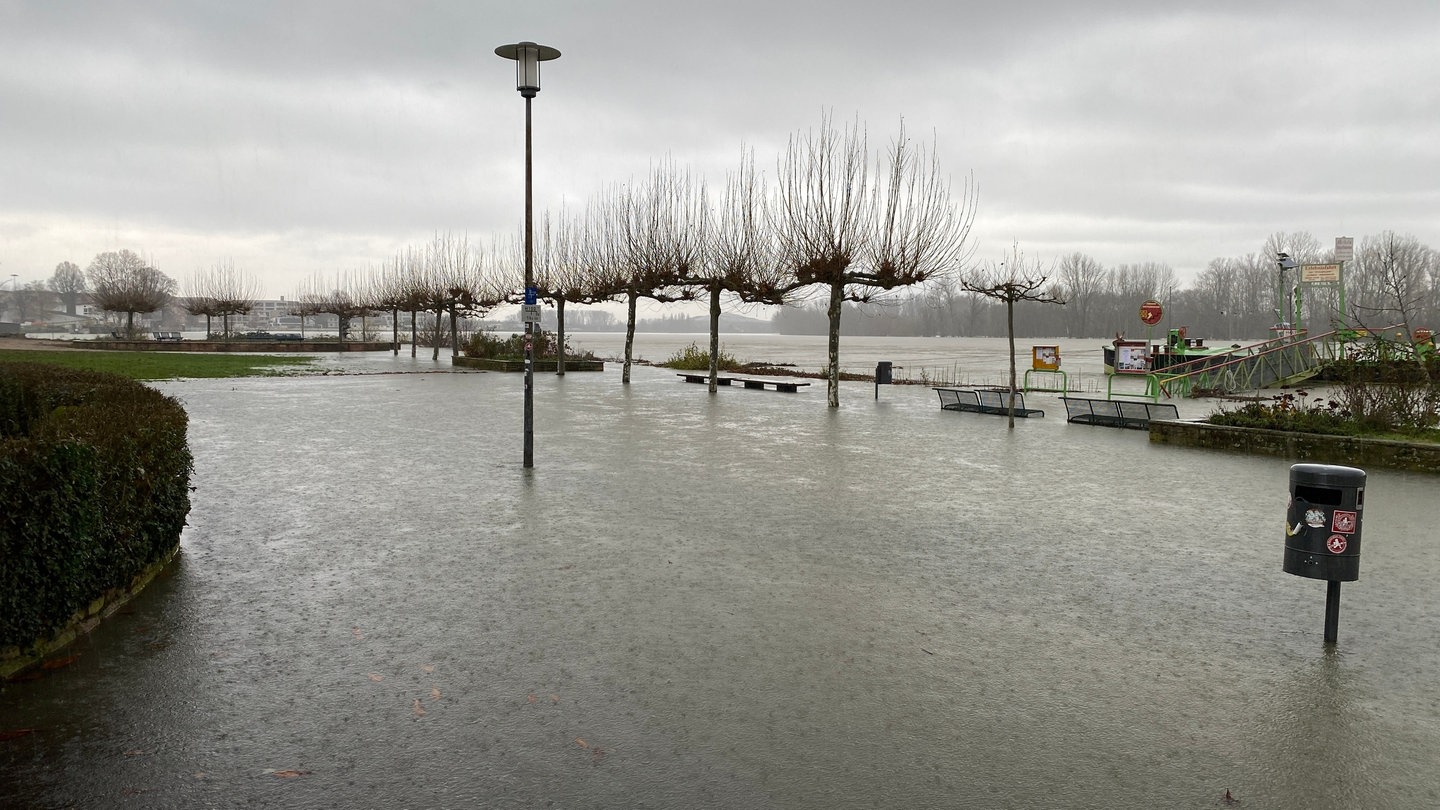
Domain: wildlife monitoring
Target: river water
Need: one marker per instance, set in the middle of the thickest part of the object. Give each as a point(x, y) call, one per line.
point(745, 600)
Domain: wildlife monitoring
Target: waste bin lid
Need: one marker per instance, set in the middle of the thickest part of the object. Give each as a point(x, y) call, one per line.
point(1326, 475)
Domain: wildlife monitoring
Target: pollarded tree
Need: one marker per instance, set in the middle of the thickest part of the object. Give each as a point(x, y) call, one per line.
point(740, 255)
point(1010, 282)
point(648, 239)
point(122, 282)
point(68, 282)
point(345, 299)
point(853, 235)
point(231, 291)
point(563, 272)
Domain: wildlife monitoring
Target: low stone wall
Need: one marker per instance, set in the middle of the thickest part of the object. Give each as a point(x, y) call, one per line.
point(255, 346)
point(1313, 447)
point(519, 365)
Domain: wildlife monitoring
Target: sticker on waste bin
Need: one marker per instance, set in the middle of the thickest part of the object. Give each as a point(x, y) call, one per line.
point(1343, 523)
point(1336, 544)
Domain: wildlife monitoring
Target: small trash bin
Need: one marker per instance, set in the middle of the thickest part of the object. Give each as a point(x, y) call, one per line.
point(883, 373)
point(1322, 523)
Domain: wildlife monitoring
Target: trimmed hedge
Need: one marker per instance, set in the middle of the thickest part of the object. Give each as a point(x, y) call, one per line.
point(94, 488)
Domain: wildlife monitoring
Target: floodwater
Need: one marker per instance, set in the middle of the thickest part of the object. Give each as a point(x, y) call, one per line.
point(744, 600)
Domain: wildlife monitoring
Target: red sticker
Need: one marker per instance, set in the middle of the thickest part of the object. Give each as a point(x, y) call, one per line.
point(1343, 522)
point(1336, 544)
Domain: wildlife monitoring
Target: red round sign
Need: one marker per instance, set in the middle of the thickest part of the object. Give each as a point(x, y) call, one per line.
point(1336, 544)
point(1150, 312)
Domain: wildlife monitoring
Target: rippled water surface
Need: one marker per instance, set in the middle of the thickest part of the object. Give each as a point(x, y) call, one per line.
point(739, 600)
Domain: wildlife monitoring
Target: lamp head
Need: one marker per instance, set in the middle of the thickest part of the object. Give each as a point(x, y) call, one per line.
point(527, 56)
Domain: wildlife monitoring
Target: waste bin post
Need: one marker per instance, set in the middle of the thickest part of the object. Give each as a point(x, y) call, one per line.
point(882, 375)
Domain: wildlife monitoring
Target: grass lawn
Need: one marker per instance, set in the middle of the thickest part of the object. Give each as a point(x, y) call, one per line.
point(159, 365)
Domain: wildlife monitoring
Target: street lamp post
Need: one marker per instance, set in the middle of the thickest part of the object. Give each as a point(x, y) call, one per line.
point(1284, 262)
point(528, 56)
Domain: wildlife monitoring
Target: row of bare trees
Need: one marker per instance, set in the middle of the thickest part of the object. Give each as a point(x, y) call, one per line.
point(841, 223)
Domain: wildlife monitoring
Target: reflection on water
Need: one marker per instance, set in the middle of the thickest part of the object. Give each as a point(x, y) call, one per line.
point(738, 600)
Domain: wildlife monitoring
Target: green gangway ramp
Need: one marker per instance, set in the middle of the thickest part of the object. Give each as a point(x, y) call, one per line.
point(1273, 363)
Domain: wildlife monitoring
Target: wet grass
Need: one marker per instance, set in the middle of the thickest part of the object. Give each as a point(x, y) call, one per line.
point(163, 365)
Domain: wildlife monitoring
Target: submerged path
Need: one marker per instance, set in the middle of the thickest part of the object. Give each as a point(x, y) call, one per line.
point(740, 600)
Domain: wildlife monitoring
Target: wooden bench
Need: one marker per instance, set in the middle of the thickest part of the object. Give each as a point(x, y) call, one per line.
point(984, 400)
point(172, 336)
point(788, 386)
point(1116, 413)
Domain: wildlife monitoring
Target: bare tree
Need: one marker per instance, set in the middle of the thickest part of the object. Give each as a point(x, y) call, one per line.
point(220, 292)
point(1083, 279)
point(1393, 274)
point(649, 238)
point(565, 272)
point(740, 255)
point(31, 300)
point(68, 282)
point(345, 298)
point(853, 235)
point(123, 282)
point(1012, 281)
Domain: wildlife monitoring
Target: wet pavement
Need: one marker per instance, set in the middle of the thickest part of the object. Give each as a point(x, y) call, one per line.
point(744, 600)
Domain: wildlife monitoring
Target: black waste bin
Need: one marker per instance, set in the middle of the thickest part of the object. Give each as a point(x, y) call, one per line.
point(882, 373)
point(1322, 523)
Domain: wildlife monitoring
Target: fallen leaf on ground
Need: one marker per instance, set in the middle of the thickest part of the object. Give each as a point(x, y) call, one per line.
point(427, 668)
point(376, 678)
point(530, 698)
point(60, 662)
point(434, 693)
point(580, 741)
point(355, 631)
point(289, 774)
point(136, 752)
point(418, 709)
point(15, 733)
point(554, 698)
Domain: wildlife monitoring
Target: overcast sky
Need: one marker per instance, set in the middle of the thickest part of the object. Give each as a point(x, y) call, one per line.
point(295, 137)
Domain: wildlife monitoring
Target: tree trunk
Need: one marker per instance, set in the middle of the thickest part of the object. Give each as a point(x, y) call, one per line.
point(454, 334)
point(225, 325)
point(832, 377)
point(207, 327)
point(414, 335)
point(629, 336)
point(395, 331)
point(714, 337)
point(1010, 326)
point(559, 336)
point(130, 326)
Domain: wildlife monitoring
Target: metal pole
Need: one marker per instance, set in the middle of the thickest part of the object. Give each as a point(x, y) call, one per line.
point(1332, 611)
point(529, 284)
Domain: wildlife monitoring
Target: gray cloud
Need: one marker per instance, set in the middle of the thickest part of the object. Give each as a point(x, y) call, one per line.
point(313, 137)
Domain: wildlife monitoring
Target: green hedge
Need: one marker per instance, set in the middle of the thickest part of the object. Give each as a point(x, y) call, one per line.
point(94, 488)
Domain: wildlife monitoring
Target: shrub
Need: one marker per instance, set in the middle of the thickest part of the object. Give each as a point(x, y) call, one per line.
point(94, 488)
point(486, 346)
point(693, 358)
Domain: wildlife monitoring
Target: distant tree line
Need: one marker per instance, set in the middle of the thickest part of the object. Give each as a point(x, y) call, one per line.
point(1392, 279)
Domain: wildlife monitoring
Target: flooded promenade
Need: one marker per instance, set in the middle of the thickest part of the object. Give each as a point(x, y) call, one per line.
point(744, 600)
